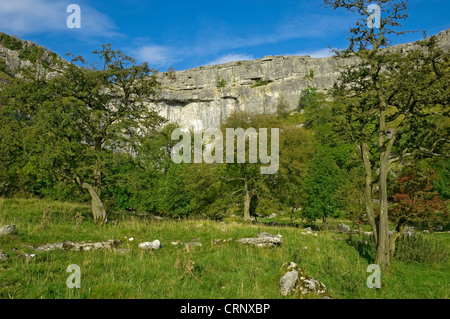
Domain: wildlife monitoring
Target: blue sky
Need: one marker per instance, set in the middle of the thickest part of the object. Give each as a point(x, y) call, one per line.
point(186, 34)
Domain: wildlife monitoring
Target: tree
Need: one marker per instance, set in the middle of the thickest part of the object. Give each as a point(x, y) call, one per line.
point(75, 123)
point(415, 200)
point(324, 179)
point(244, 180)
point(388, 100)
point(296, 150)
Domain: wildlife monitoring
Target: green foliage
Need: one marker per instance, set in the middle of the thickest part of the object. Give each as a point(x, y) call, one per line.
point(260, 82)
point(173, 199)
point(221, 83)
point(11, 43)
point(442, 182)
point(34, 54)
point(324, 179)
point(415, 200)
point(417, 249)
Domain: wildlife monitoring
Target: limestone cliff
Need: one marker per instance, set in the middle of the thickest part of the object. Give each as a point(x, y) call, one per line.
point(204, 97)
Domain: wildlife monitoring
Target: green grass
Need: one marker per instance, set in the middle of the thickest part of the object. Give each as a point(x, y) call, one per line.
point(226, 271)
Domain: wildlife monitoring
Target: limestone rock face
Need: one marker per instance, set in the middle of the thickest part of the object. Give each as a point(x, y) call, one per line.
point(205, 97)
point(17, 55)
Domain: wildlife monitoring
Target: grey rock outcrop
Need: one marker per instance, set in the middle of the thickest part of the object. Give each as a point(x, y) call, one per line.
point(6, 230)
point(50, 247)
point(154, 245)
point(297, 280)
point(263, 240)
point(107, 245)
point(3, 256)
point(288, 281)
point(68, 245)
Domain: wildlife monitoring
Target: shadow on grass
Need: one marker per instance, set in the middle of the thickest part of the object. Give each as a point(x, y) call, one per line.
point(365, 247)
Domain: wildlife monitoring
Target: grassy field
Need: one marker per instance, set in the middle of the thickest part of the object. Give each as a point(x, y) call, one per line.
point(209, 271)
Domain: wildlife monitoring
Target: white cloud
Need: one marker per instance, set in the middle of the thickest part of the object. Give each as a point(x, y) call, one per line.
point(231, 58)
point(157, 55)
point(322, 53)
point(36, 16)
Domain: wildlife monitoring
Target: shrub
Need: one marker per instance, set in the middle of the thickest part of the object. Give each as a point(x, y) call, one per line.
point(417, 249)
point(11, 43)
point(221, 83)
point(260, 82)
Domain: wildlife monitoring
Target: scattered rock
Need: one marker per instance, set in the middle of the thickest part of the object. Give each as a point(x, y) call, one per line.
point(50, 247)
point(155, 245)
point(273, 215)
point(426, 231)
point(176, 243)
point(28, 256)
point(108, 245)
point(368, 233)
point(131, 239)
point(308, 231)
point(6, 230)
point(3, 256)
point(194, 242)
point(263, 240)
point(297, 280)
point(439, 228)
point(221, 241)
point(343, 228)
point(409, 231)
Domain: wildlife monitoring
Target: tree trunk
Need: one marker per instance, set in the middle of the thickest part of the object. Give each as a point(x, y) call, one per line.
point(247, 201)
point(398, 233)
point(368, 189)
point(98, 210)
point(383, 255)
